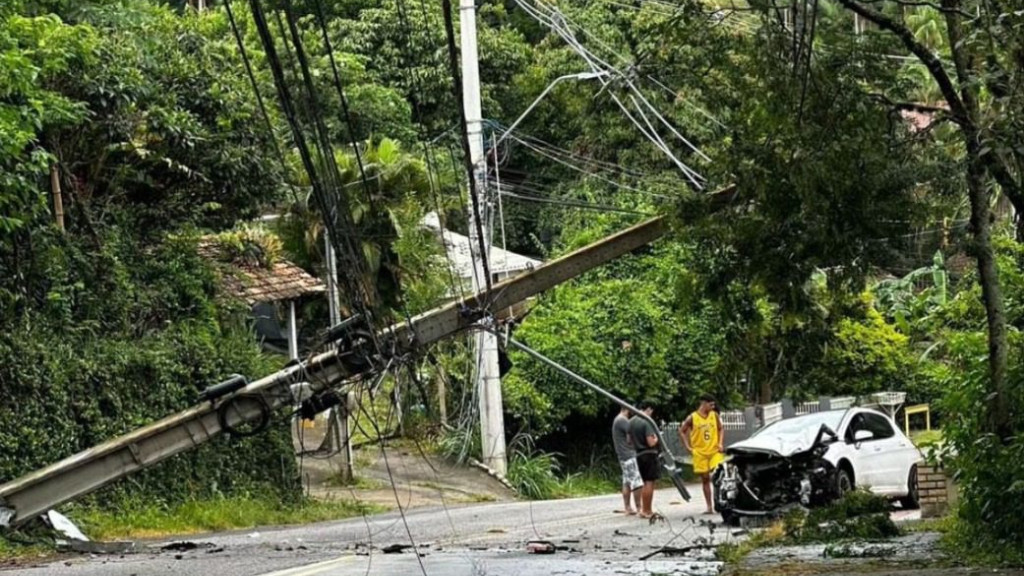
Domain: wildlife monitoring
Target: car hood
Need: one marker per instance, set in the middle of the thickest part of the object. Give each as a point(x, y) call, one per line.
point(783, 445)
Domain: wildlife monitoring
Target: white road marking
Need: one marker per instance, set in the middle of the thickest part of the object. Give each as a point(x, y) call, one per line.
point(312, 569)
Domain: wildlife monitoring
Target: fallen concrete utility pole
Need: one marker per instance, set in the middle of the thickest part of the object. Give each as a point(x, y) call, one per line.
point(39, 491)
point(33, 494)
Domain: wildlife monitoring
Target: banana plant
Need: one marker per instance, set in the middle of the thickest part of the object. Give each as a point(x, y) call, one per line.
point(902, 300)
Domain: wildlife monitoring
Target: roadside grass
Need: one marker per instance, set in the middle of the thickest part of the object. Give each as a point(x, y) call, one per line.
point(538, 475)
point(589, 483)
point(734, 552)
point(971, 547)
point(148, 520)
point(11, 552)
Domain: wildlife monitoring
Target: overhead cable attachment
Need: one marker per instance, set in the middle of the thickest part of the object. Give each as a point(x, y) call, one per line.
point(342, 329)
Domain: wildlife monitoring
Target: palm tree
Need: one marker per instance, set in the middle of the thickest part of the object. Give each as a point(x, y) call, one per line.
point(386, 210)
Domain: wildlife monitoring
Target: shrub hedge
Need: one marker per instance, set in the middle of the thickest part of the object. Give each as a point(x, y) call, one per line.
point(102, 336)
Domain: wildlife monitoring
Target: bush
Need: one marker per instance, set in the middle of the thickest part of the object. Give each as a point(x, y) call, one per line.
point(106, 340)
point(532, 472)
point(866, 356)
point(989, 470)
point(460, 444)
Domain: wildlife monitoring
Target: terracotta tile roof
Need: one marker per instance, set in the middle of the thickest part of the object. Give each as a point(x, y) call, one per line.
point(285, 281)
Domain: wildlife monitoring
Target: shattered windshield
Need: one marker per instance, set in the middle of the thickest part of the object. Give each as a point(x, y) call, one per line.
point(802, 425)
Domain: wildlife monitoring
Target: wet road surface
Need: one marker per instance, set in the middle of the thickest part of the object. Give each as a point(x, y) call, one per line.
point(470, 540)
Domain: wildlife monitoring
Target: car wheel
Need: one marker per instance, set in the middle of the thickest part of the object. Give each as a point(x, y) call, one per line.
point(912, 501)
point(844, 482)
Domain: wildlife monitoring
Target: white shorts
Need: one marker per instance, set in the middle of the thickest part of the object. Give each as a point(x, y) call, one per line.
point(631, 474)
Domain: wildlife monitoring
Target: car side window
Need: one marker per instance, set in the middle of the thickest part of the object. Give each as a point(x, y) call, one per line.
point(878, 425)
point(856, 423)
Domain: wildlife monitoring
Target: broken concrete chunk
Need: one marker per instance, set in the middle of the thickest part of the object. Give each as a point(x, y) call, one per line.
point(540, 547)
point(65, 526)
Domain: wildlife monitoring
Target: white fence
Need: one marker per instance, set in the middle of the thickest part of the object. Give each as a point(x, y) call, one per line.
point(733, 420)
point(808, 407)
point(843, 402)
point(771, 413)
point(889, 398)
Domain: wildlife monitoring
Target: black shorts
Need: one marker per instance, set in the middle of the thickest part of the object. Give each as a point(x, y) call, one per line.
point(650, 469)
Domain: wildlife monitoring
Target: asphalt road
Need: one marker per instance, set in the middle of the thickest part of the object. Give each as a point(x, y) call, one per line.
point(471, 540)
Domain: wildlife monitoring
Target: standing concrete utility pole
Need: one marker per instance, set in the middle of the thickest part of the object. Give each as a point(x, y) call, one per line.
point(492, 419)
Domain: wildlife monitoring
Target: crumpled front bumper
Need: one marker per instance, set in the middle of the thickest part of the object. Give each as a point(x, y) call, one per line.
point(753, 486)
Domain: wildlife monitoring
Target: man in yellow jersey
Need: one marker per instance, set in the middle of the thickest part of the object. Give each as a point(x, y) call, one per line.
point(701, 433)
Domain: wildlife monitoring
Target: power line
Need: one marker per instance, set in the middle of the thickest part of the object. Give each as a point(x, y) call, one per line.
point(321, 19)
point(574, 204)
point(433, 174)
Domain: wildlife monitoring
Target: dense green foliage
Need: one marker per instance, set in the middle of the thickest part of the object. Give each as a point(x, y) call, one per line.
point(839, 269)
point(115, 337)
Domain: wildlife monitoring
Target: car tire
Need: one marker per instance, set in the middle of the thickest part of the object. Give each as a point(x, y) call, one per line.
point(912, 501)
point(844, 483)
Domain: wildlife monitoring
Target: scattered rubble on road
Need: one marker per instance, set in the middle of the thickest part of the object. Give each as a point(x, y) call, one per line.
point(917, 550)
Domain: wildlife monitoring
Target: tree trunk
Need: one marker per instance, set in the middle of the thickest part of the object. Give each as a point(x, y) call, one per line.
point(962, 98)
point(991, 292)
point(998, 417)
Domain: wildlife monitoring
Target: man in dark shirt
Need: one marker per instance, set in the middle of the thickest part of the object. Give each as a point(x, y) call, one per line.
point(623, 442)
point(645, 441)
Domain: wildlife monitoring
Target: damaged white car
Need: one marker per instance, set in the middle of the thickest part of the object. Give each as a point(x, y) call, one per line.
point(810, 460)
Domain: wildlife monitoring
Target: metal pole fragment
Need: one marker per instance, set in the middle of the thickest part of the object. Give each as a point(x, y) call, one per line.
point(667, 458)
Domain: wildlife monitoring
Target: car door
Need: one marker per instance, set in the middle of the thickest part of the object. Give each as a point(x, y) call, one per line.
point(866, 456)
point(887, 451)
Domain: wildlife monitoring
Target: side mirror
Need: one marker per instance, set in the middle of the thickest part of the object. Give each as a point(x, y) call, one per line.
point(862, 435)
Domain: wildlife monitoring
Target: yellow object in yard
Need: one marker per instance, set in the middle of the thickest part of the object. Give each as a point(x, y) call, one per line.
point(917, 409)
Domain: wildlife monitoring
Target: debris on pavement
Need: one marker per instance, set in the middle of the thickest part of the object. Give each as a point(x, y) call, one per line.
point(185, 546)
point(677, 551)
point(675, 568)
point(96, 548)
point(540, 547)
point(74, 540)
point(918, 550)
point(395, 548)
point(65, 526)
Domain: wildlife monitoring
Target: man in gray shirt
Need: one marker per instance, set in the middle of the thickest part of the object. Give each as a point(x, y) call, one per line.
point(645, 442)
point(624, 451)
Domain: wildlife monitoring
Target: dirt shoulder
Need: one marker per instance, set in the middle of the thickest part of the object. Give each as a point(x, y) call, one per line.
point(420, 479)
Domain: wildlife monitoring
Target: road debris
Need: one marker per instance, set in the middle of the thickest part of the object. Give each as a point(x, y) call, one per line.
point(678, 551)
point(672, 567)
point(96, 548)
point(185, 546)
point(540, 547)
point(395, 548)
point(65, 526)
